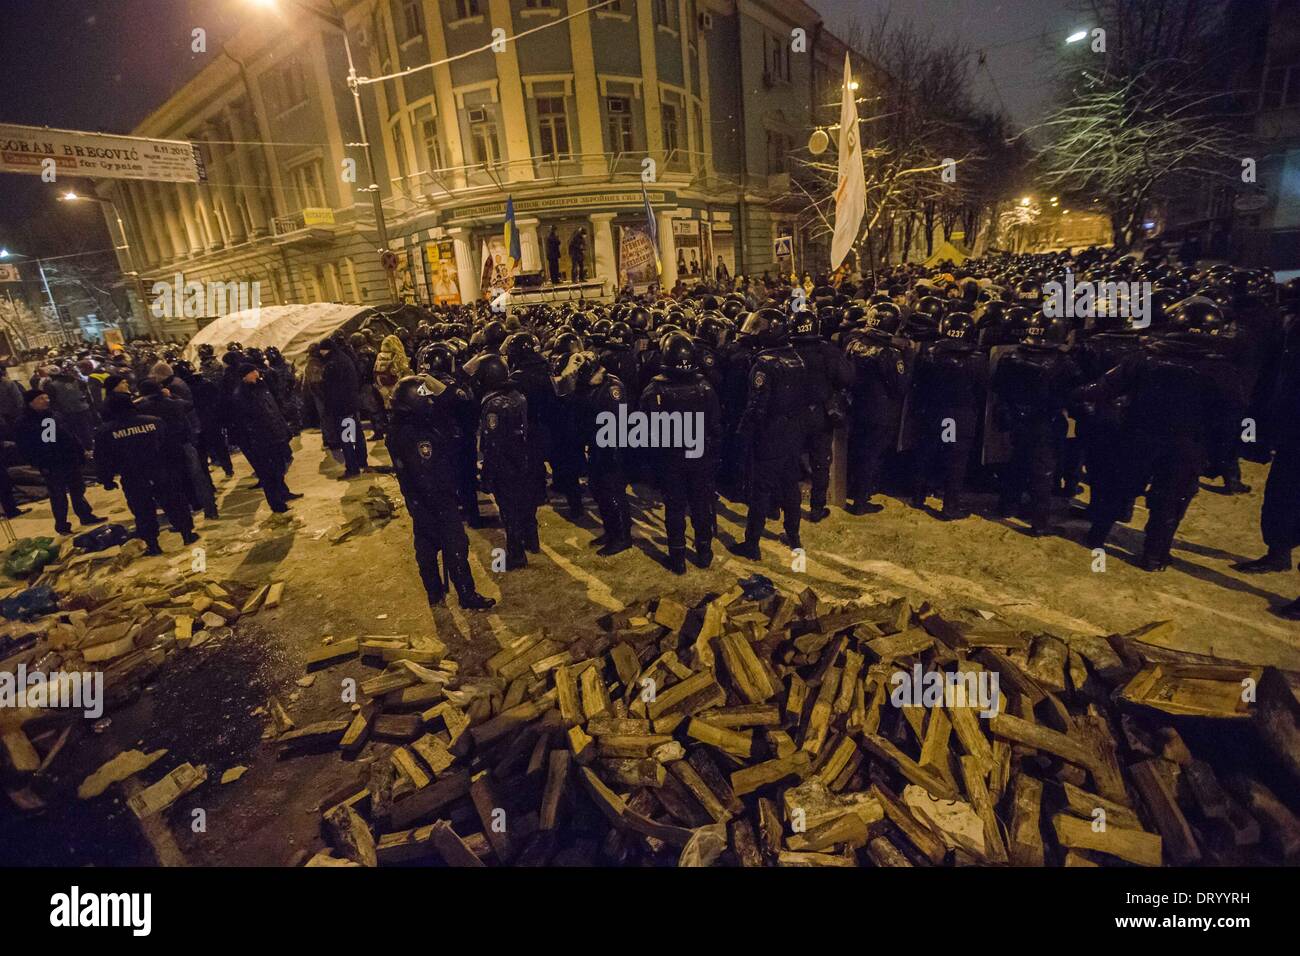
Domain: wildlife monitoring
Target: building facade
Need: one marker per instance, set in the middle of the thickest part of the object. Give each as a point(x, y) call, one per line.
point(701, 102)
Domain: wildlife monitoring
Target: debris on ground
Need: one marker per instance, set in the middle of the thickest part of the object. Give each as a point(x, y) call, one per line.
point(763, 728)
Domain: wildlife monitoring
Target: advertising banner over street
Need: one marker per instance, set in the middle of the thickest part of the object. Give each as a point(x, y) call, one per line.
point(26, 149)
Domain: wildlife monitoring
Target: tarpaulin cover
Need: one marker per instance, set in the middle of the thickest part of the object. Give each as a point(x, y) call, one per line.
point(290, 328)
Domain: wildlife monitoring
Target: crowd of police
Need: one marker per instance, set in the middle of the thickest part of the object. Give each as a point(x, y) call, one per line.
point(941, 380)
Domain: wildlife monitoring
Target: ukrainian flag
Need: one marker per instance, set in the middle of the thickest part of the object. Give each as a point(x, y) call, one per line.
point(511, 236)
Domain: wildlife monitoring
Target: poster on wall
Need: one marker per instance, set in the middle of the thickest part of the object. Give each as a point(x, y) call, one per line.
point(405, 278)
point(636, 257)
point(444, 287)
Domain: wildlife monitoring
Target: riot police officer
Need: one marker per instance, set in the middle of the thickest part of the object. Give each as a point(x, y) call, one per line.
point(686, 475)
point(948, 389)
point(503, 439)
point(1179, 382)
point(599, 392)
point(880, 378)
point(772, 429)
point(423, 455)
point(827, 374)
point(1033, 385)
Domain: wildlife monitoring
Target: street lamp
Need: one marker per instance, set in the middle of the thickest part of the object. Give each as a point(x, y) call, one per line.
point(127, 255)
point(336, 21)
point(1076, 36)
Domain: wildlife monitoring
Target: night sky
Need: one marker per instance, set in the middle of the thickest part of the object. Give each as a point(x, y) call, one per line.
point(103, 65)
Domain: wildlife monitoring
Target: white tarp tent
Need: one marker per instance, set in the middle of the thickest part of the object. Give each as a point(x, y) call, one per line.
point(290, 328)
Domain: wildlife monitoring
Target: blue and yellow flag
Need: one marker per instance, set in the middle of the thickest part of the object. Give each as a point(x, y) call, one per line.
point(652, 230)
point(511, 236)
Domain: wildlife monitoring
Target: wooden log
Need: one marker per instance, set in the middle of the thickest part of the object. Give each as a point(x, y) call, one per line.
point(1135, 846)
point(1025, 837)
point(1157, 792)
point(350, 836)
point(453, 850)
point(492, 814)
point(687, 697)
point(557, 777)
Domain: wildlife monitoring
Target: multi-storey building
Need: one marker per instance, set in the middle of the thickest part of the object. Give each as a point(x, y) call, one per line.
point(700, 101)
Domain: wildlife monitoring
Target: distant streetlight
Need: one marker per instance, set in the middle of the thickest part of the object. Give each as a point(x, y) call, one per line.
point(1076, 36)
point(69, 196)
point(853, 84)
point(4, 253)
point(1025, 201)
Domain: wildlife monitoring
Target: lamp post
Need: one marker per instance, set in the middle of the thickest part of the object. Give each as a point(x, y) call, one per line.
point(336, 21)
point(125, 248)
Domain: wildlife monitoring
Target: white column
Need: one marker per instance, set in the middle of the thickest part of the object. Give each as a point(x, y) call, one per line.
point(467, 267)
point(602, 243)
point(667, 248)
point(528, 245)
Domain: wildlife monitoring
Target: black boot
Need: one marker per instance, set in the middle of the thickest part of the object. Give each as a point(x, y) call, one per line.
point(820, 513)
point(864, 506)
point(704, 553)
point(473, 601)
point(677, 560)
point(615, 545)
point(151, 547)
point(1098, 534)
point(189, 537)
point(746, 549)
point(1277, 559)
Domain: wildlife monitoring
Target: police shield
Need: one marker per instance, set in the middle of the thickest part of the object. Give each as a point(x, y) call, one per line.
point(996, 448)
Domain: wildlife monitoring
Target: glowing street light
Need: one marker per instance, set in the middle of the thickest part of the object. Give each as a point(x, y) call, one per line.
point(4, 253)
point(853, 84)
point(1076, 36)
point(1025, 201)
point(69, 196)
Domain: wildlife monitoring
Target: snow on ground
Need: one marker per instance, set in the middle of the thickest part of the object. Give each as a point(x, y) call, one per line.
point(368, 584)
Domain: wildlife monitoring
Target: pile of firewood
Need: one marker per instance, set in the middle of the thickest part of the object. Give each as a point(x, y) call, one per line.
point(761, 728)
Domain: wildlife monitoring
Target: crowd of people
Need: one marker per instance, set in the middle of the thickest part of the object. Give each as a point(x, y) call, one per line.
point(943, 380)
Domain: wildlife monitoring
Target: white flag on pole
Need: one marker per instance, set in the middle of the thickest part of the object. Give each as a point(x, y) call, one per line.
point(851, 185)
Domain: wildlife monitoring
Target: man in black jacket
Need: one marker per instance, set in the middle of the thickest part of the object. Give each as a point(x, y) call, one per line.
point(266, 436)
point(686, 475)
point(53, 449)
point(423, 459)
point(880, 379)
point(177, 413)
point(130, 444)
point(827, 375)
point(341, 388)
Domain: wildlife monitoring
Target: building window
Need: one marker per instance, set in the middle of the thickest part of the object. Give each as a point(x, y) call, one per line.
point(666, 13)
point(671, 130)
point(552, 127)
point(778, 148)
point(307, 180)
point(539, 4)
point(618, 119)
point(412, 20)
point(776, 60)
point(483, 136)
point(287, 86)
point(466, 9)
point(426, 125)
point(399, 151)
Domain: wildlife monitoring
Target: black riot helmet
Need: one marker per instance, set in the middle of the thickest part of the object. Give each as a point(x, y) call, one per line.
point(1196, 317)
point(1040, 330)
point(767, 325)
point(640, 319)
point(519, 345)
point(677, 355)
point(930, 306)
point(566, 343)
point(803, 324)
point(620, 335)
point(438, 359)
point(884, 317)
point(957, 326)
point(1028, 292)
point(733, 306)
point(411, 396)
point(714, 330)
point(490, 372)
